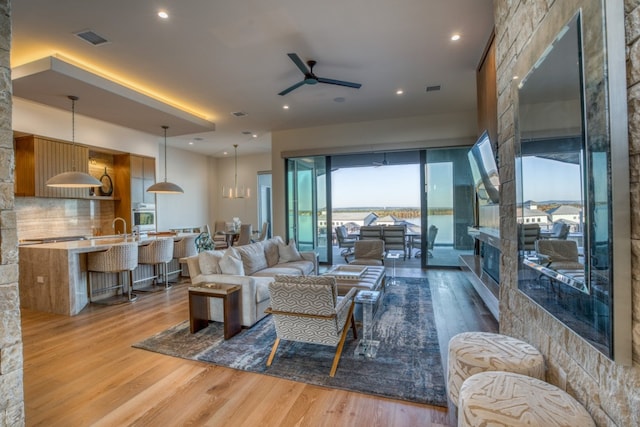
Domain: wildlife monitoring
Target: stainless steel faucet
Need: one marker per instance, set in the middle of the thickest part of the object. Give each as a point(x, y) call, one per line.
point(113, 224)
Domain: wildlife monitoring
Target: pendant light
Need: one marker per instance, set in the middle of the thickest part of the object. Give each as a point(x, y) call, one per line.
point(73, 178)
point(165, 187)
point(235, 192)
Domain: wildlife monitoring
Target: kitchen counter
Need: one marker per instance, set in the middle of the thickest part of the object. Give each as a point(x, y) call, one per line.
point(53, 276)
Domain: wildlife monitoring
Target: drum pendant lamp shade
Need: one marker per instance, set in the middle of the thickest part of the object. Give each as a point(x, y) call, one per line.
point(165, 187)
point(73, 178)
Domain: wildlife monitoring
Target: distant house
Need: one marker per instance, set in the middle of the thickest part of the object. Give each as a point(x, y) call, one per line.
point(531, 215)
point(570, 215)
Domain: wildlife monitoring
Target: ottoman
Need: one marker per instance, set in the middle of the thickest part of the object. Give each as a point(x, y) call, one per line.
point(474, 352)
point(508, 399)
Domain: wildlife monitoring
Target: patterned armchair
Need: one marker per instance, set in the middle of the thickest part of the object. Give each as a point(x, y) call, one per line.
point(308, 309)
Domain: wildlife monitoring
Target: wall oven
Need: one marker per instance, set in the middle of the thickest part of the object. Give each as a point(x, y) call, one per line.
point(144, 217)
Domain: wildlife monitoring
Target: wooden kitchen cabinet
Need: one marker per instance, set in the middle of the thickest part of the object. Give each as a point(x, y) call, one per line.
point(134, 174)
point(37, 159)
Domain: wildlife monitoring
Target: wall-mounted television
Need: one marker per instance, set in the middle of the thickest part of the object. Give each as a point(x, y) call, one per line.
point(484, 171)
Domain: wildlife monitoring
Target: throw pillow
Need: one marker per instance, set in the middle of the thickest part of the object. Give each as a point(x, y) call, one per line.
point(210, 262)
point(271, 250)
point(253, 258)
point(231, 263)
point(288, 252)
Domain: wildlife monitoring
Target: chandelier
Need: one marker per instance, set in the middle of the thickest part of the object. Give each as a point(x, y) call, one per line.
point(235, 192)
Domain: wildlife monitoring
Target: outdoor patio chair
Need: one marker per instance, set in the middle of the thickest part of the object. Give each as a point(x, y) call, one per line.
point(558, 254)
point(370, 232)
point(308, 309)
point(528, 234)
point(395, 238)
point(345, 242)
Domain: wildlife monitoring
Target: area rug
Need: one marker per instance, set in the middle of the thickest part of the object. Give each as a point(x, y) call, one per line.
point(407, 367)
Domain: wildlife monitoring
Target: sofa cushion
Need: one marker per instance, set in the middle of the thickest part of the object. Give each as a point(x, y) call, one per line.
point(278, 269)
point(253, 258)
point(209, 262)
point(288, 252)
point(231, 263)
point(305, 267)
point(271, 253)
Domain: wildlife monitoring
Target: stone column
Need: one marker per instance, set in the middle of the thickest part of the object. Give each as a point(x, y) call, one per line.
point(11, 368)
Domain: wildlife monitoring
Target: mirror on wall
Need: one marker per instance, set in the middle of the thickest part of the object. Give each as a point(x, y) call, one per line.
point(563, 177)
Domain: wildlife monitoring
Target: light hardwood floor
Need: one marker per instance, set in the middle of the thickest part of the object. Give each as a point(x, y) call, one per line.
point(82, 370)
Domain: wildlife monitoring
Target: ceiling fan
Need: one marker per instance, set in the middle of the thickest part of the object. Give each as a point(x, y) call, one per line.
point(310, 78)
point(384, 161)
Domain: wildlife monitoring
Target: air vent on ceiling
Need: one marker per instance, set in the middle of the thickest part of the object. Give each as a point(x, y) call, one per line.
point(246, 132)
point(91, 37)
point(433, 88)
point(238, 113)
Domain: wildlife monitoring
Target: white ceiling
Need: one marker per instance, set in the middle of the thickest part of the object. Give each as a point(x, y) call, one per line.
point(216, 57)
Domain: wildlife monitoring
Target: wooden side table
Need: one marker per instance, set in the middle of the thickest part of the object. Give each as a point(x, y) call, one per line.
point(199, 306)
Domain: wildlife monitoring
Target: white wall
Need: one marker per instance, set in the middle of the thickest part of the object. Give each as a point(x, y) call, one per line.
point(248, 168)
point(189, 170)
point(39, 119)
point(442, 130)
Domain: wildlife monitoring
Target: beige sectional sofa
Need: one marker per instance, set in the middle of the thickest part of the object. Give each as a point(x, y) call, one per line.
point(253, 267)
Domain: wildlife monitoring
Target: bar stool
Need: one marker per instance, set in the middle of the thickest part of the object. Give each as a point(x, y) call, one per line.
point(183, 248)
point(118, 258)
point(157, 253)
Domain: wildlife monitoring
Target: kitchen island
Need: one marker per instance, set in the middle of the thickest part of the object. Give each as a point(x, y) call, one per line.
point(53, 276)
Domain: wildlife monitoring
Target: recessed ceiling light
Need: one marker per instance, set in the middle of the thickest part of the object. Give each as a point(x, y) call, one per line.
point(515, 77)
point(225, 153)
point(455, 37)
point(163, 14)
point(399, 92)
point(286, 107)
point(190, 142)
point(255, 135)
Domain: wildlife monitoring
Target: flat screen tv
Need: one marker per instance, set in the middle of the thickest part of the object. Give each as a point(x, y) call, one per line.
point(484, 171)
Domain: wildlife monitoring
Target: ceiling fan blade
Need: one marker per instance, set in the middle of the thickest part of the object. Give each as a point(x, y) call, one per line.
point(296, 60)
point(289, 89)
point(339, 83)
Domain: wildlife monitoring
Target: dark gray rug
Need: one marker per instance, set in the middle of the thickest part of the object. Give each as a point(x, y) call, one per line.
point(407, 367)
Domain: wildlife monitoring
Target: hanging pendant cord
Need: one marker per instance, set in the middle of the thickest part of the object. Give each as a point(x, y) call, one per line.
point(165, 152)
point(235, 180)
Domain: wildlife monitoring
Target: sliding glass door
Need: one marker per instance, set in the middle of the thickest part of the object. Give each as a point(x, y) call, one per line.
point(448, 202)
point(307, 204)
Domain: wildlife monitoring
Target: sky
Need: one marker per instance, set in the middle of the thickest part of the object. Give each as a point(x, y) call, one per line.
point(382, 186)
point(545, 179)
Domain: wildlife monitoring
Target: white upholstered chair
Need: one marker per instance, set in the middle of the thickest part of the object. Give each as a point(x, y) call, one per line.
point(308, 309)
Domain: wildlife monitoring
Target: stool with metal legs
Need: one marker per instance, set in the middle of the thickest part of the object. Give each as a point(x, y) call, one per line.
point(158, 253)
point(120, 258)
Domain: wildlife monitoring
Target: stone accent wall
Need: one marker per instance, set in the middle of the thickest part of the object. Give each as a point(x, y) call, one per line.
point(611, 393)
point(11, 388)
